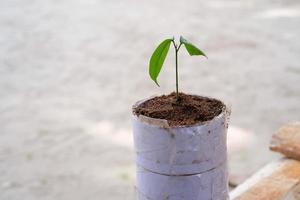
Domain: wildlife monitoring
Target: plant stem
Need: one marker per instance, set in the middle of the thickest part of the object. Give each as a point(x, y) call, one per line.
point(176, 64)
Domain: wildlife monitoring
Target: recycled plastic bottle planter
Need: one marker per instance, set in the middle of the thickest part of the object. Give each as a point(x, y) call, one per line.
point(181, 163)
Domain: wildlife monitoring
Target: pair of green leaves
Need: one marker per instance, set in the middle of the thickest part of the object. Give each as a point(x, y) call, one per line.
point(159, 55)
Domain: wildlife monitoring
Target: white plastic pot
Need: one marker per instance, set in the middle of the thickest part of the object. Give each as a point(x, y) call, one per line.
point(211, 185)
point(187, 162)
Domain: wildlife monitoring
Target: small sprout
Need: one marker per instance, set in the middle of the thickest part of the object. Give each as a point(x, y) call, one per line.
point(160, 53)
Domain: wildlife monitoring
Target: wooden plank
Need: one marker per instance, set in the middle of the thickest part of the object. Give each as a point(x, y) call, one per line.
point(287, 141)
point(279, 180)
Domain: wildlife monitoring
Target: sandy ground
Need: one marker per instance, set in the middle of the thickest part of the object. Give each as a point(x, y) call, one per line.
point(71, 69)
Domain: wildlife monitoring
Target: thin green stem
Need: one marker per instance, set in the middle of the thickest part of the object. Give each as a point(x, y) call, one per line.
point(176, 64)
point(176, 67)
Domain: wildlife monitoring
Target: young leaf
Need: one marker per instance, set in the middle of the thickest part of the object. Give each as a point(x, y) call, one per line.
point(157, 59)
point(192, 49)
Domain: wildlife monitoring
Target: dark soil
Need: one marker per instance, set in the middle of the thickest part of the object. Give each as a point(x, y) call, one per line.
point(188, 110)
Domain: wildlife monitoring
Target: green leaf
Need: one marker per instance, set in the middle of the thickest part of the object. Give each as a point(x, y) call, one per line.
point(192, 49)
point(157, 59)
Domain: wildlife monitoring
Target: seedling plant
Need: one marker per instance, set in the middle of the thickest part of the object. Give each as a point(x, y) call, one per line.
point(159, 55)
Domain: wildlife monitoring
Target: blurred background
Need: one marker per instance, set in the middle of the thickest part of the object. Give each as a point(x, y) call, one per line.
point(70, 71)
